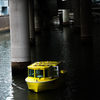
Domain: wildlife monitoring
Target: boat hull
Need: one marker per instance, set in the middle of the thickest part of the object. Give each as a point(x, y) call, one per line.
point(46, 85)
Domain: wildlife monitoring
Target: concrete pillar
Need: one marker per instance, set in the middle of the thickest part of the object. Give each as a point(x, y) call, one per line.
point(55, 20)
point(86, 17)
point(19, 33)
point(77, 15)
point(60, 12)
point(65, 17)
point(46, 21)
point(37, 17)
point(61, 20)
point(0, 8)
point(31, 22)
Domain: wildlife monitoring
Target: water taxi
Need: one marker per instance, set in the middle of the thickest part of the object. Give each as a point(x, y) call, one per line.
point(45, 75)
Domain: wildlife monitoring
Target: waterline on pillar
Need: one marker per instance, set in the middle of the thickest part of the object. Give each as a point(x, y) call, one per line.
point(20, 67)
point(38, 30)
point(32, 41)
point(65, 23)
point(87, 40)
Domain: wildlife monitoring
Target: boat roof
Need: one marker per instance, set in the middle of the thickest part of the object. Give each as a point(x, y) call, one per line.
point(43, 64)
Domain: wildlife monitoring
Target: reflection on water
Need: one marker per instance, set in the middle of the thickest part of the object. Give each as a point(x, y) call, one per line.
point(61, 93)
point(6, 88)
point(49, 95)
point(81, 62)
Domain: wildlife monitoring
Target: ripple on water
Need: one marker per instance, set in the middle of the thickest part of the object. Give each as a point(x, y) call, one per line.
point(6, 89)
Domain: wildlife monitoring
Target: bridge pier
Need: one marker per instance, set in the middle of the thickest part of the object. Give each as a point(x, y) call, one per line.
point(86, 19)
point(31, 22)
point(46, 21)
point(37, 17)
point(65, 17)
point(19, 34)
point(77, 16)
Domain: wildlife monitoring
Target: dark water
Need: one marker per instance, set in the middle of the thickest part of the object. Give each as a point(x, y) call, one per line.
point(82, 63)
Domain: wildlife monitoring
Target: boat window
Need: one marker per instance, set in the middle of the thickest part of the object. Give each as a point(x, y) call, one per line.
point(55, 71)
point(31, 73)
point(39, 73)
point(46, 73)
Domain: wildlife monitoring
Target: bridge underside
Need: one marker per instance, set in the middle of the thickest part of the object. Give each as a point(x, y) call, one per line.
point(26, 16)
point(48, 7)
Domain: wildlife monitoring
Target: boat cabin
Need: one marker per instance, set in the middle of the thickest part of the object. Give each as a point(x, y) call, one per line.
point(44, 69)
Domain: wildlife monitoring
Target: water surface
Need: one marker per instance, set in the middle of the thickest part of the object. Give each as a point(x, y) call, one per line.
point(82, 63)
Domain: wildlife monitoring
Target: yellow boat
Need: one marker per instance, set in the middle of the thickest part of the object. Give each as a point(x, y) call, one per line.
point(45, 75)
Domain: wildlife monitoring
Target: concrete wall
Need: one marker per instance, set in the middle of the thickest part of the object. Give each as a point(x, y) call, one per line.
point(4, 22)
